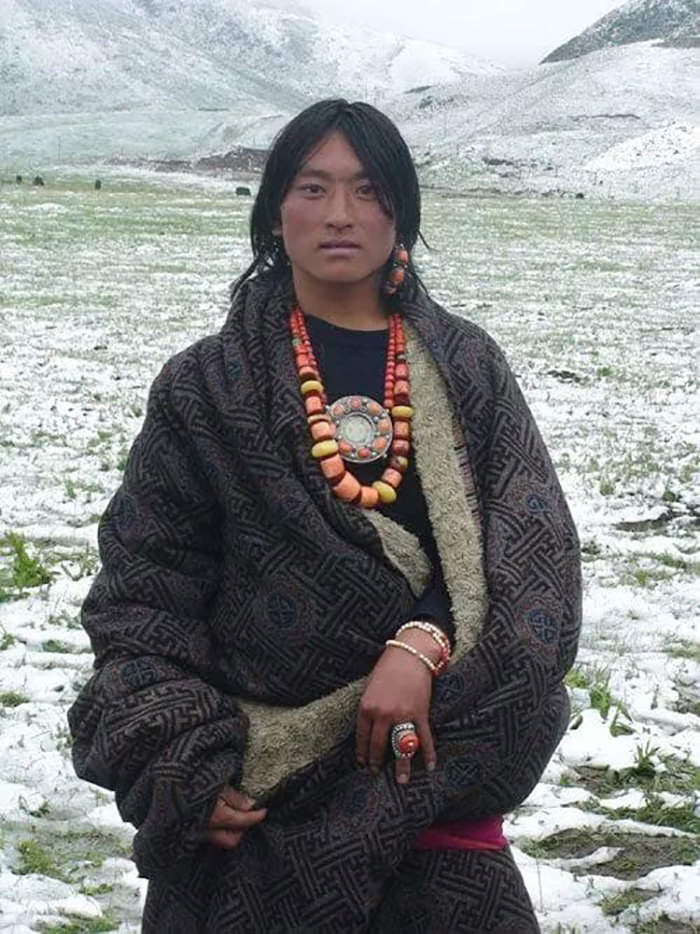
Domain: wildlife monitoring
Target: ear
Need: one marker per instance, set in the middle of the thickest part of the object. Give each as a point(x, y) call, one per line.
point(277, 229)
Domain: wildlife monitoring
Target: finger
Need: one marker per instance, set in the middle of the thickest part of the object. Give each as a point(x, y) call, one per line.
point(427, 745)
point(235, 799)
point(222, 812)
point(402, 771)
point(362, 736)
point(239, 820)
point(377, 745)
point(225, 839)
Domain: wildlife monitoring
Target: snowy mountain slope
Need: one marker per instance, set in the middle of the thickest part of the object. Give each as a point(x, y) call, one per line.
point(639, 83)
point(636, 21)
point(639, 86)
point(72, 56)
point(75, 56)
point(540, 127)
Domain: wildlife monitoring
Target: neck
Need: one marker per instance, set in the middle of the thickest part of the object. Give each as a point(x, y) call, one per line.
point(357, 306)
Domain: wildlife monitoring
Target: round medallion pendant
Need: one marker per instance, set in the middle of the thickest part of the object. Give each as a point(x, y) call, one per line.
point(363, 429)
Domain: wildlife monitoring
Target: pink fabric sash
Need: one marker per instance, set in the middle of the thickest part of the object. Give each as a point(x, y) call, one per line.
point(484, 834)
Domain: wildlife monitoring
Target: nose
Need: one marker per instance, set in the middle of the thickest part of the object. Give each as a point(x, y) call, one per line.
point(339, 208)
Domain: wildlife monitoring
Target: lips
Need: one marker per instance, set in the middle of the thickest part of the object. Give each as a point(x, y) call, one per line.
point(340, 245)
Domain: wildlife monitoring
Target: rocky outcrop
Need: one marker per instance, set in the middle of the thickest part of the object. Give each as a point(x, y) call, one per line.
point(676, 22)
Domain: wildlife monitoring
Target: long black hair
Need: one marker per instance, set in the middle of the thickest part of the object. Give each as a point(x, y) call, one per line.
point(384, 156)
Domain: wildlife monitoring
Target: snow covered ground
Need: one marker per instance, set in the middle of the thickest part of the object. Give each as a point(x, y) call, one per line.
point(595, 303)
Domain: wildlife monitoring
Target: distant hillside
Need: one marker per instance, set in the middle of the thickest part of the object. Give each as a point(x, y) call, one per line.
point(71, 56)
point(621, 121)
point(677, 22)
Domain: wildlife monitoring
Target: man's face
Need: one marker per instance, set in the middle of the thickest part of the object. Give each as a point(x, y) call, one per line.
point(332, 223)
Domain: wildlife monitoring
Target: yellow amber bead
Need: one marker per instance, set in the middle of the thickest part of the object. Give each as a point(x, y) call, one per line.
point(311, 385)
point(387, 494)
point(402, 411)
point(324, 448)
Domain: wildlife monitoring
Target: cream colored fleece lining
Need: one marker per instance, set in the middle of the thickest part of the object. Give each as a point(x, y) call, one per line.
point(309, 732)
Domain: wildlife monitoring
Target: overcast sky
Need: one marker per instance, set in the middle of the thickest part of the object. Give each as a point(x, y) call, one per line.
point(507, 32)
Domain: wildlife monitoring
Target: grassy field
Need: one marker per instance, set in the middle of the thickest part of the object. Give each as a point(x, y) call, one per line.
point(595, 304)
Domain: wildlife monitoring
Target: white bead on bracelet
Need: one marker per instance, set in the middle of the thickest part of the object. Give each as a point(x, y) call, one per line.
point(429, 664)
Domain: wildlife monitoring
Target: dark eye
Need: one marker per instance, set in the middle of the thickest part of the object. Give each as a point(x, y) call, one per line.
point(367, 190)
point(311, 188)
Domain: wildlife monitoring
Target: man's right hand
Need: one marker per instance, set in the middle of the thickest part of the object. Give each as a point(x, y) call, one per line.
point(231, 817)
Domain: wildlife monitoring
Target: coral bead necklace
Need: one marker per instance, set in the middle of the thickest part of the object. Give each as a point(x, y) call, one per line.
point(357, 429)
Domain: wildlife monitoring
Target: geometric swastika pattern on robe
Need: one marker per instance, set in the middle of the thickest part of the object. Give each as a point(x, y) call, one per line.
point(230, 569)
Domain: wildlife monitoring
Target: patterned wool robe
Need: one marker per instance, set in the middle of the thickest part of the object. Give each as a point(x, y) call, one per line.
point(240, 605)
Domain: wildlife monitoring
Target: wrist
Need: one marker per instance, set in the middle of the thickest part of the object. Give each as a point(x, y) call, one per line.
point(419, 628)
point(423, 643)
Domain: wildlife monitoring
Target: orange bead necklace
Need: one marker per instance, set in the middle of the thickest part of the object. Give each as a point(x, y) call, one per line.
point(357, 429)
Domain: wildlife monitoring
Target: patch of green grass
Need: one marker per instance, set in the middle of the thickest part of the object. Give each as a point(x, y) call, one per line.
point(664, 925)
point(687, 703)
point(681, 648)
point(65, 620)
point(606, 487)
point(79, 925)
point(63, 737)
point(688, 471)
point(103, 435)
point(617, 727)
point(39, 437)
point(590, 550)
point(42, 811)
point(639, 853)
point(673, 561)
point(679, 776)
point(55, 645)
point(654, 811)
point(645, 758)
point(7, 641)
point(71, 857)
point(24, 571)
point(89, 848)
point(647, 577)
point(618, 902)
point(669, 496)
point(597, 682)
point(576, 678)
point(81, 564)
point(12, 699)
point(104, 888)
point(35, 858)
point(601, 698)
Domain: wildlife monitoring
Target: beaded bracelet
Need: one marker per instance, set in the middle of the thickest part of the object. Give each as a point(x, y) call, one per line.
point(432, 630)
point(438, 636)
point(429, 664)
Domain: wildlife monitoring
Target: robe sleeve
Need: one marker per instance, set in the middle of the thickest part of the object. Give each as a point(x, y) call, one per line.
point(433, 605)
point(149, 724)
point(501, 711)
